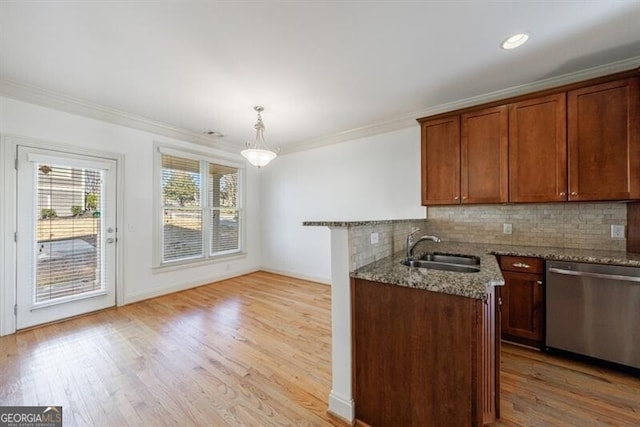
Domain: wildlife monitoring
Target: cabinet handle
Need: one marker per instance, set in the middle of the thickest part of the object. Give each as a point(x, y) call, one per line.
point(464, 197)
point(456, 198)
point(563, 194)
point(574, 193)
point(539, 282)
point(521, 265)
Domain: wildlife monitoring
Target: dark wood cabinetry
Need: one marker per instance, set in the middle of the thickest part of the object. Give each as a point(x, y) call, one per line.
point(522, 297)
point(580, 142)
point(441, 161)
point(604, 141)
point(538, 150)
point(464, 158)
point(423, 358)
point(484, 156)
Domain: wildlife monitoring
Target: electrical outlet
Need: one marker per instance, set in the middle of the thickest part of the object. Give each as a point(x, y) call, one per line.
point(375, 238)
point(617, 231)
point(507, 228)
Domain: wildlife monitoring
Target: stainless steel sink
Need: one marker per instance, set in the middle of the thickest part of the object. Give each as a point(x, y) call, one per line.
point(454, 263)
point(450, 259)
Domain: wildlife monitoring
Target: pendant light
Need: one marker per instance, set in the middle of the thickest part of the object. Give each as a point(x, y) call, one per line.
point(259, 155)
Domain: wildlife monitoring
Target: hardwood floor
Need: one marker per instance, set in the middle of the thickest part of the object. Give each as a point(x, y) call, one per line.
point(254, 350)
point(539, 389)
point(249, 351)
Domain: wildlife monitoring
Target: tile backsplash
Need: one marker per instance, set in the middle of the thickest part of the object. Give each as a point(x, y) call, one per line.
point(391, 239)
point(568, 225)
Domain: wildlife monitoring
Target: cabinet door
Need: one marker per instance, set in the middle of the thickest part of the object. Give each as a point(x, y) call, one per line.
point(538, 150)
point(441, 161)
point(604, 145)
point(484, 156)
point(522, 305)
point(419, 357)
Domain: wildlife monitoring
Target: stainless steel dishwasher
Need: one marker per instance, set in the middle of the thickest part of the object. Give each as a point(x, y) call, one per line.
point(594, 310)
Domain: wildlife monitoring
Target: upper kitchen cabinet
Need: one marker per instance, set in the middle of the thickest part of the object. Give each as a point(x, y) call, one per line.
point(464, 158)
point(484, 147)
point(441, 161)
point(604, 141)
point(538, 150)
point(579, 142)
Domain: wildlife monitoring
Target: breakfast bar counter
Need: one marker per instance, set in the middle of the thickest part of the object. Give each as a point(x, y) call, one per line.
point(475, 285)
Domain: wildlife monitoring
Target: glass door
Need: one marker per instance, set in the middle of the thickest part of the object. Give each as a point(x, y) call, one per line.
point(66, 239)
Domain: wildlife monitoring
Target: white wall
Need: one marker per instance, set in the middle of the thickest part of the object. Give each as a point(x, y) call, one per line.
point(371, 178)
point(28, 120)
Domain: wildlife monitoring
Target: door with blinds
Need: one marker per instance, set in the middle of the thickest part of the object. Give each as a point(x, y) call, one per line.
point(66, 235)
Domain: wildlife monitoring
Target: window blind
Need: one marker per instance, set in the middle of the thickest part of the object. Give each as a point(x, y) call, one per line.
point(201, 206)
point(182, 211)
point(225, 213)
point(69, 234)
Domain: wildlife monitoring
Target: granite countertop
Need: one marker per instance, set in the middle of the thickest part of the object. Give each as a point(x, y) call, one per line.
point(358, 223)
point(567, 254)
point(476, 285)
point(473, 285)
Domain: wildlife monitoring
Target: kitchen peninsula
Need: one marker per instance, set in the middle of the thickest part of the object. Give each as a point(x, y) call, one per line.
point(384, 287)
point(443, 322)
point(425, 342)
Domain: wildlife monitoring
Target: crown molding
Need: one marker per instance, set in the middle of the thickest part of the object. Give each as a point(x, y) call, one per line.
point(69, 104)
point(50, 99)
point(409, 119)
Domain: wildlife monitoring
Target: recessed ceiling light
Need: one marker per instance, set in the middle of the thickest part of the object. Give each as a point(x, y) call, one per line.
point(515, 40)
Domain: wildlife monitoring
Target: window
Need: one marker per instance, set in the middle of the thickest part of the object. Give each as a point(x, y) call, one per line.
point(201, 210)
point(69, 243)
point(225, 215)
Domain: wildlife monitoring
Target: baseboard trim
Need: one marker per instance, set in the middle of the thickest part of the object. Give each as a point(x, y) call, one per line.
point(130, 299)
point(338, 419)
point(341, 407)
point(321, 280)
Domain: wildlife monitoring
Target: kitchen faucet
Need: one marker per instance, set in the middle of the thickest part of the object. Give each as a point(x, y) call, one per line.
point(411, 244)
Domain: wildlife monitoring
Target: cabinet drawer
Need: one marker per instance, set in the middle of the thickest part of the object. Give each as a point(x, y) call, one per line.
point(522, 264)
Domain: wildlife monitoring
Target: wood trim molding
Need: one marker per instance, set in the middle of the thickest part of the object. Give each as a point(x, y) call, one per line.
point(317, 279)
point(540, 92)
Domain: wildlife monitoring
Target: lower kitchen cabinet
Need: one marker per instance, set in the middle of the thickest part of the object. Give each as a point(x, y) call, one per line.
point(423, 358)
point(522, 298)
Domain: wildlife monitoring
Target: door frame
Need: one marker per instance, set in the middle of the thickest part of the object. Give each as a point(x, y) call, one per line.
point(8, 207)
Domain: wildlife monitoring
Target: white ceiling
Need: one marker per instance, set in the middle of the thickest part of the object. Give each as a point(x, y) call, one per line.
point(319, 68)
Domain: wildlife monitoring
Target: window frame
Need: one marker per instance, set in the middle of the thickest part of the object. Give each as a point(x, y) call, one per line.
point(204, 159)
